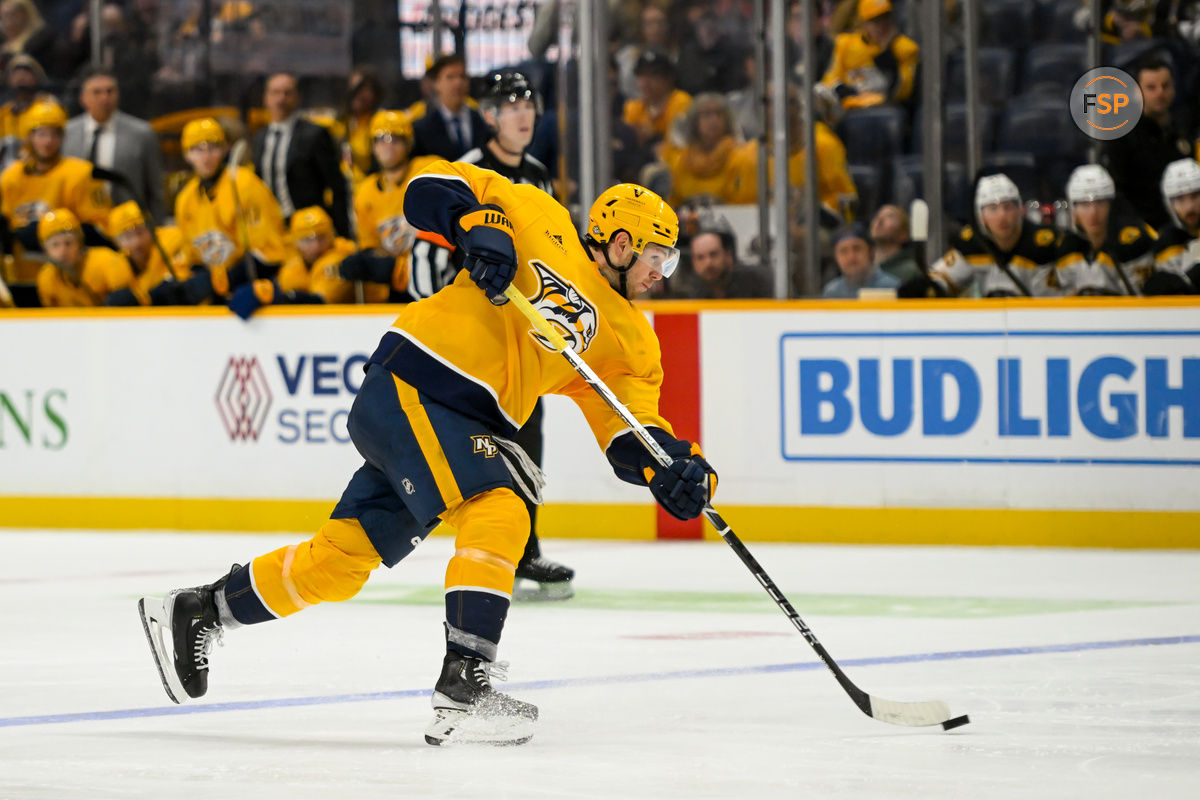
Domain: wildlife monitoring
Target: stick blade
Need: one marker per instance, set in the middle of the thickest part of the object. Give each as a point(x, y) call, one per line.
point(915, 715)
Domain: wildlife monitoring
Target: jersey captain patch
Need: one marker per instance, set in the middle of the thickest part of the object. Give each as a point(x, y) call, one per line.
point(563, 307)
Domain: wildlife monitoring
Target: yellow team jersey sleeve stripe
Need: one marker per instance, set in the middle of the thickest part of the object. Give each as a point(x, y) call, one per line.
point(427, 440)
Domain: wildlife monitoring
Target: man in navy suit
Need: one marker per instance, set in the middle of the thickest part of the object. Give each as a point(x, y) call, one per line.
point(298, 159)
point(450, 126)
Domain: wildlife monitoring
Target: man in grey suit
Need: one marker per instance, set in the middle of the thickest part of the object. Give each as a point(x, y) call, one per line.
point(117, 141)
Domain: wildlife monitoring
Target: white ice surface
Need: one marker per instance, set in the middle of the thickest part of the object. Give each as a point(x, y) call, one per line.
point(618, 721)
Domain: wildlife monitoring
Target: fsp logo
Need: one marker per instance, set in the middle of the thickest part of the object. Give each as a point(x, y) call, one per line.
point(484, 444)
point(1106, 103)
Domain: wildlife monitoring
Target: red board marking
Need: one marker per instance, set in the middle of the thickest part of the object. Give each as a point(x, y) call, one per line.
point(679, 402)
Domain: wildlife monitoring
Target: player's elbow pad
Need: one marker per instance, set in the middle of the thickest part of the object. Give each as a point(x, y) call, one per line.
point(630, 458)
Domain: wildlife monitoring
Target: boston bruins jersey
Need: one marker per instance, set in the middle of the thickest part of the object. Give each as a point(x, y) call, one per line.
point(25, 196)
point(323, 278)
point(1177, 251)
point(208, 220)
point(1123, 262)
point(102, 271)
point(462, 351)
point(424, 261)
point(972, 265)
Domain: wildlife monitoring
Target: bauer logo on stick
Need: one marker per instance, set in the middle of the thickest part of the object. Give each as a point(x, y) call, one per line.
point(1106, 103)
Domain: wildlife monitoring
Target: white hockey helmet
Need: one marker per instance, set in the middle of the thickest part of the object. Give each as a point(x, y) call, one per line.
point(993, 189)
point(1179, 178)
point(1090, 182)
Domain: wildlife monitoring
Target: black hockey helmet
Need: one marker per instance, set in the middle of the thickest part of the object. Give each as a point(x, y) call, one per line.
point(508, 86)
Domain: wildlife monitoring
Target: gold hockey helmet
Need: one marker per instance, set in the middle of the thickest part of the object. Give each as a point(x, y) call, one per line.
point(311, 221)
point(42, 114)
point(642, 214)
point(60, 220)
point(201, 131)
point(391, 123)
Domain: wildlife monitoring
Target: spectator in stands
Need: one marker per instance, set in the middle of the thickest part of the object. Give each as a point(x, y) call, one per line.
point(297, 158)
point(709, 60)
point(1137, 160)
point(1177, 251)
point(823, 50)
point(450, 126)
point(660, 103)
point(852, 252)
point(875, 66)
point(24, 78)
point(387, 243)
point(1118, 249)
point(654, 33)
point(364, 96)
point(1120, 21)
point(109, 138)
point(24, 33)
point(227, 247)
point(151, 256)
point(708, 163)
point(835, 188)
point(716, 273)
point(46, 179)
point(75, 274)
point(889, 237)
point(1003, 256)
point(117, 51)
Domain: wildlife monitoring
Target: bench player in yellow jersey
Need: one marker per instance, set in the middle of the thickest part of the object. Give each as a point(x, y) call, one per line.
point(127, 227)
point(451, 380)
point(46, 179)
point(228, 230)
point(309, 276)
point(76, 275)
point(412, 263)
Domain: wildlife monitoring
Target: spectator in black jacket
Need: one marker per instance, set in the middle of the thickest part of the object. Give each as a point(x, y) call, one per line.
point(1137, 161)
point(298, 159)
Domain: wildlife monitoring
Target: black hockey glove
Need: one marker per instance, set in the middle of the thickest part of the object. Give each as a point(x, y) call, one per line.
point(367, 266)
point(685, 487)
point(491, 260)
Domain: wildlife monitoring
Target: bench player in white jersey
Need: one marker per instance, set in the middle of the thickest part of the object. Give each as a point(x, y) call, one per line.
point(1178, 251)
point(511, 106)
point(1117, 247)
point(1003, 255)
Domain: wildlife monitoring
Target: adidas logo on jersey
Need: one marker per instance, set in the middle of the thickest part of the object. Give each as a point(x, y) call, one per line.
point(556, 239)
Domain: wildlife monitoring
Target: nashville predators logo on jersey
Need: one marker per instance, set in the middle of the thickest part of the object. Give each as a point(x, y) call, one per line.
point(29, 212)
point(214, 247)
point(563, 307)
point(484, 444)
point(396, 235)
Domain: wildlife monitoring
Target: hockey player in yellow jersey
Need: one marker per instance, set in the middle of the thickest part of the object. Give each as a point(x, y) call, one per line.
point(43, 180)
point(141, 248)
point(314, 267)
point(229, 230)
point(451, 380)
point(412, 263)
point(76, 275)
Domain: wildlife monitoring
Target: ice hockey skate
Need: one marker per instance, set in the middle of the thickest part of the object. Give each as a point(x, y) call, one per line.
point(182, 629)
point(467, 710)
point(539, 578)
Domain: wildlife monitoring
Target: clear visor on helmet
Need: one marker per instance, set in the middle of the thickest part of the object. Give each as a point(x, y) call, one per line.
point(662, 258)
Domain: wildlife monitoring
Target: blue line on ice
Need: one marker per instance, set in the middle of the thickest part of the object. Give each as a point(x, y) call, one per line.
point(251, 705)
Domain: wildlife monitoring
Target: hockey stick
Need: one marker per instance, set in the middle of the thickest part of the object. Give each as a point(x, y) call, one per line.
point(112, 176)
point(236, 157)
point(930, 712)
